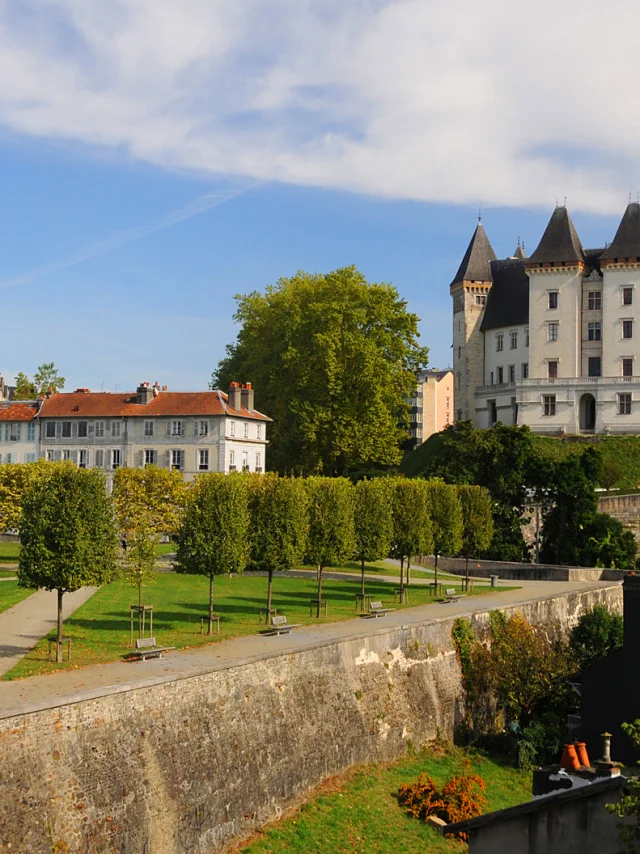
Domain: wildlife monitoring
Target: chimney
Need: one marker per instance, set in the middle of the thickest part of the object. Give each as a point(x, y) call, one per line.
point(144, 394)
point(235, 396)
point(631, 613)
point(247, 397)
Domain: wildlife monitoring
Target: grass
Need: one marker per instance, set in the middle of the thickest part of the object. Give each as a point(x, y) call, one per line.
point(9, 552)
point(11, 594)
point(101, 628)
point(359, 813)
point(381, 567)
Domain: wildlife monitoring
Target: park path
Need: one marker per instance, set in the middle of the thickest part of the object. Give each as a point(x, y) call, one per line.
point(70, 686)
point(22, 626)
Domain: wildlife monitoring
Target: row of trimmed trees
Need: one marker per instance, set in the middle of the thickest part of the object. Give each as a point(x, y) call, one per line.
point(70, 526)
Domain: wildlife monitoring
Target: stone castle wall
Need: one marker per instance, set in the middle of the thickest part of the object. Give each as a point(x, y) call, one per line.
point(187, 766)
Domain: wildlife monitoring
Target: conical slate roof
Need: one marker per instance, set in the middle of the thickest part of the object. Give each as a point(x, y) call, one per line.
point(560, 242)
point(520, 253)
point(476, 264)
point(626, 243)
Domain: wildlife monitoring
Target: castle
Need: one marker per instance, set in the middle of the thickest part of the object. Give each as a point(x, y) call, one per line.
point(550, 341)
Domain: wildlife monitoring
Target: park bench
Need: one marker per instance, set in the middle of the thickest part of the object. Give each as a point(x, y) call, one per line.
point(280, 626)
point(451, 595)
point(376, 610)
point(146, 648)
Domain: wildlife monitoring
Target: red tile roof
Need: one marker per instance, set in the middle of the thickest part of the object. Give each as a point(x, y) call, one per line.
point(167, 403)
point(18, 411)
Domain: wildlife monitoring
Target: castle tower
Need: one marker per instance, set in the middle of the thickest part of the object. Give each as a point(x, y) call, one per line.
point(469, 290)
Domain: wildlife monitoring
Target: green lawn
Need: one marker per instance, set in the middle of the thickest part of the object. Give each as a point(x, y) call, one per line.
point(9, 552)
point(381, 567)
point(100, 628)
point(360, 814)
point(11, 594)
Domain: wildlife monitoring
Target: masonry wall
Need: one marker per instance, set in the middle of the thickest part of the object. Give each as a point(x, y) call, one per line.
point(187, 766)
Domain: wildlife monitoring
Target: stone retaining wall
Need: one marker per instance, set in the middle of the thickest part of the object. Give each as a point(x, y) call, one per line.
point(187, 766)
point(514, 571)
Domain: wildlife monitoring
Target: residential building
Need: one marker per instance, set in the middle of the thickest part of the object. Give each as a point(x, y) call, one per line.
point(550, 341)
point(191, 432)
point(432, 407)
point(19, 442)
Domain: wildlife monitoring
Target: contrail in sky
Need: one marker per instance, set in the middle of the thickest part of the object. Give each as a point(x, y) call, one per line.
point(194, 208)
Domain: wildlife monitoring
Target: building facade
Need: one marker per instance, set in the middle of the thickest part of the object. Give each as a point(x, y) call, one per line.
point(432, 408)
point(191, 432)
point(550, 341)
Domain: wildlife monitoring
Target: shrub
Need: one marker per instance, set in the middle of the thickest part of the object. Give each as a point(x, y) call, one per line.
point(460, 798)
point(597, 633)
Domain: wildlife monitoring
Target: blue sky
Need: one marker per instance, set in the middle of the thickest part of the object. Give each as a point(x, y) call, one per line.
point(158, 158)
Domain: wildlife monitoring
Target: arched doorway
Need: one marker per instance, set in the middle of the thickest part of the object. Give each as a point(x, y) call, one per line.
point(587, 412)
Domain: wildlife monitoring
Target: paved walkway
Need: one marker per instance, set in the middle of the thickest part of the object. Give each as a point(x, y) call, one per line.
point(69, 686)
point(22, 626)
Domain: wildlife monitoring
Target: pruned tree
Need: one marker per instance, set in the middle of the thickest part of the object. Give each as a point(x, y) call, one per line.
point(411, 522)
point(373, 521)
point(278, 525)
point(477, 522)
point(214, 536)
point(446, 520)
point(331, 538)
point(16, 479)
point(68, 534)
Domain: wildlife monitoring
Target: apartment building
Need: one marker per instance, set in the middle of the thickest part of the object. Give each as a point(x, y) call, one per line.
point(191, 432)
point(432, 407)
point(552, 340)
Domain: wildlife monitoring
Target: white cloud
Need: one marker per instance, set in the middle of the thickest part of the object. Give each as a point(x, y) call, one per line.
point(443, 100)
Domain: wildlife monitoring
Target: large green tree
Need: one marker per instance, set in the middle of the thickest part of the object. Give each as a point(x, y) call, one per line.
point(332, 357)
point(278, 526)
point(68, 534)
point(331, 538)
point(373, 520)
point(446, 520)
point(214, 536)
point(412, 534)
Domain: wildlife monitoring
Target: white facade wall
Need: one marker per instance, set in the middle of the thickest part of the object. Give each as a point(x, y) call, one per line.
point(19, 442)
point(615, 348)
point(566, 350)
point(506, 358)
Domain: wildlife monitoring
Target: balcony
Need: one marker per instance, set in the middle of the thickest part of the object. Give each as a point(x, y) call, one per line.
point(575, 382)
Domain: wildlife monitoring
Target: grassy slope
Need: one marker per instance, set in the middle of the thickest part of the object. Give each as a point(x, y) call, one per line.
point(360, 814)
point(11, 594)
point(100, 628)
point(9, 552)
point(623, 450)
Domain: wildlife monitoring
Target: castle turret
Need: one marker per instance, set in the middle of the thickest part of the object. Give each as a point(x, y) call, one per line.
point(469, 290)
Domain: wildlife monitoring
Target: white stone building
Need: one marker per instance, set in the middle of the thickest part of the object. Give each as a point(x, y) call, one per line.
point(192, 432)
point(550, 341)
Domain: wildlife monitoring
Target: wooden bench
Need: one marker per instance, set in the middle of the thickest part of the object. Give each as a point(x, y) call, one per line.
point(280, 626)
point(146, 648)
point(451, 595)
point(376, 610)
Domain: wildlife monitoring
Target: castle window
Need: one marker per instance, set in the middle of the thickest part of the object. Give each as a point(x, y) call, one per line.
point(552, 370)
point(552, 331)
point(512, 373)
point(459, 379)
point(481, 299)
point(627, 296)
point(553, 299)
point(514, 339)
point(526, 337)
point(525, 370)
point(627, 328)
point(549, 404)
point(594, 331)
point(595, 366)
point(627, 367)
point(624, 404)
point(499, 341)
point(500, 376)
point(594, 300)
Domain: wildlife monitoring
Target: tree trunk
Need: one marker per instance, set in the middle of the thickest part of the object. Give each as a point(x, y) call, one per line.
point(59, 638)
point(466, 573)
point(269, 586)
point(210, 630)
point(362, 591)
point(435, 569)
point(401, 577)
point(140, 612)
point(319, 591)
point(408, 571)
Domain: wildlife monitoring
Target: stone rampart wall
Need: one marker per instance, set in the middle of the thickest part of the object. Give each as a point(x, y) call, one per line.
point(187, 766)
